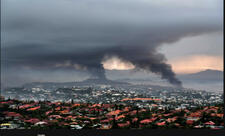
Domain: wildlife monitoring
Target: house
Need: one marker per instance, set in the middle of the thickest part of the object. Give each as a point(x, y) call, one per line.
point(106, 126)
point(65, 111)
point(190, 122)
point(210, 123)
point(116, 112)
point(122, 125)
point(41, 123)
point(33, 109)
point(32, 120)
point(48, 112)
point(12, 115)
point(134, 120)
point(147, 121)
point(217, 115)
point(133, 112)
point(161, 123)
point(119, 117)
point(76, 127)
point(106, 120)
point(171, 119)
point(25, 106)
point(8, 126)
point(193, 118)
point(55, 116)
point(198, 126)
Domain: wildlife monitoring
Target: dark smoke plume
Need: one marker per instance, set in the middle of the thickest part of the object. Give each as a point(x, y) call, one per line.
point(147, 58)
point(140, 51)
point(143, 57)
point(67, 35)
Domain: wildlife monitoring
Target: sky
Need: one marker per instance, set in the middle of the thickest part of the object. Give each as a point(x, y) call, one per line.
point(195, 54)
point(67, 40)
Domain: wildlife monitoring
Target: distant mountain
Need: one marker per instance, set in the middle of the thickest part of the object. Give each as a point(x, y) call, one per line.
point(210, 80)
point(103, 81)
point(87, 82)
point(211, 75)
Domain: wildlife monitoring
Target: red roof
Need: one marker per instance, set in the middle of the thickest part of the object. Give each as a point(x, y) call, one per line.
point(55, 116)
point(106, 120)
point(126, 109)
point(161, 123)
point(119, 117)
point(133, 112)
point(96, 105)
point(47, 112)
point(6, 102)
point(104, 126)
point(116, 112)
point(210, 123)
point(33, 120)
point(134, 119)
point(177, 124)
point(195, 114)
point(154, 105)
point(95, 109)
point(58, 108)
point(171, 119)
point(35, 108)
point(68, 117)
point(106, 105)
point(92, 118)
point(124, 124)
point(143, 110)
point(64, 112)
point(220, 115)
point(12, 114)
point(189, 122)
point(75, 105)
point(26, 106)
point(167, 114)
point(146, 121)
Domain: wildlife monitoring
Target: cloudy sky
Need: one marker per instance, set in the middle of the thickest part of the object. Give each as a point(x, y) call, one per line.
point(67, 40)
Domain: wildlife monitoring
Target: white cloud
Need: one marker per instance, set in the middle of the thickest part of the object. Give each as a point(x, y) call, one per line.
point(196, 63)
point(115, 63)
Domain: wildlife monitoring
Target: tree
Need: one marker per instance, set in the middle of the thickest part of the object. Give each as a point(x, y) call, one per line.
point(53, 106)
point(181, 121)
point(114, 124)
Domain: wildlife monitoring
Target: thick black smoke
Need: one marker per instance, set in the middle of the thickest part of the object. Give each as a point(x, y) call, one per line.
point(67, 35)
point(148, 60)
point(141, 51)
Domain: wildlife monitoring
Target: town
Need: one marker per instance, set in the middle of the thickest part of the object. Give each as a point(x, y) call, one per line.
point(168, 97)
point(109, 107)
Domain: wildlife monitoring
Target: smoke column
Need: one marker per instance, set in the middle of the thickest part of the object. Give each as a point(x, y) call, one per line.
point(68, 35)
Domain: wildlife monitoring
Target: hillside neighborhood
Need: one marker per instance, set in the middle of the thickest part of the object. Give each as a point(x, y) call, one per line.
point(17, 114)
